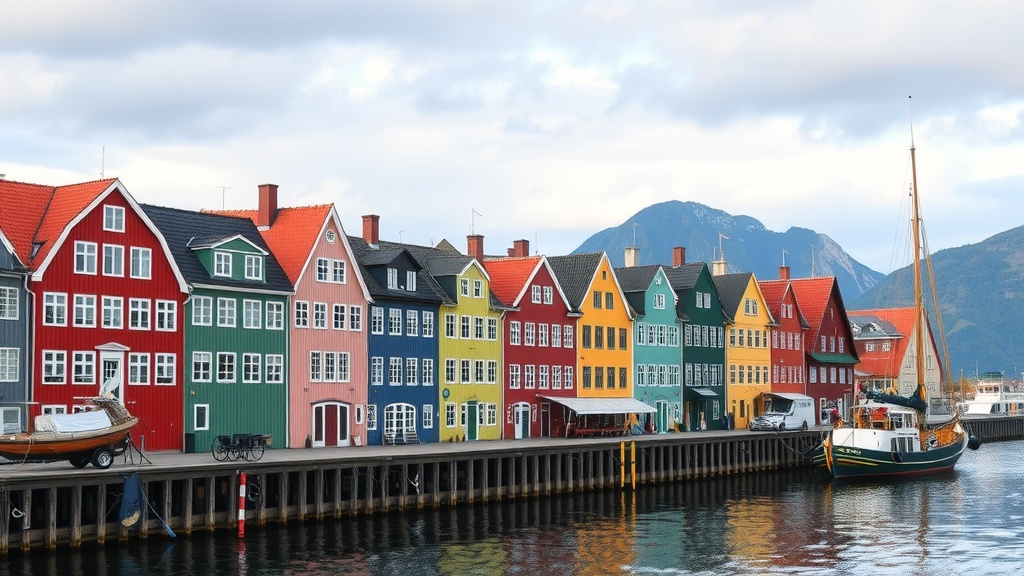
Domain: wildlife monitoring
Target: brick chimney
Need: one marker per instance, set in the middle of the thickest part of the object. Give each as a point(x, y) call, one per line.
point(475, 246)
point(371, 229)
point(783, 272)
point(519, 249)
point(678, 256)
point(268, 206)
point(632, 257)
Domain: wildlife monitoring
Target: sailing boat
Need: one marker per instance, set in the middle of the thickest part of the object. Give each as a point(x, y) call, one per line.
point(889, 434)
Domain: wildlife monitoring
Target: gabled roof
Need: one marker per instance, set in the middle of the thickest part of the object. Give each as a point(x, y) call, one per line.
point(182, 228)
point(774, 292)
point(215, 241)
point(892, 324)
point(294, 234)
point(684, 277)
point(37, 219)
point(731, 288)
point(813, 295)
point(512, 276)
point(427, 289)
point(575, 273)
point(635, 280)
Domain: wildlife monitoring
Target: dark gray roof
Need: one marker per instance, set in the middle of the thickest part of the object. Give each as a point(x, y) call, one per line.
point(575, 272)
point(448, 265)
point(731, 288)
point(636, 278)
point(182, 228)
point(871, 326)
point(684, 277)
point(427, 290)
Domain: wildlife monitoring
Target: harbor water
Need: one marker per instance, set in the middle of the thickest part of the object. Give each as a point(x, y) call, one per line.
point(970, 521)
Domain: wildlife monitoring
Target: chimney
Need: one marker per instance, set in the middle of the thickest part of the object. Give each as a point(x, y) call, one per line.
point(520, 249)
point(475, 246)
point(678, 256)
point(268, 206)
point(632, 257)
point(371, 229)
point(783, 272)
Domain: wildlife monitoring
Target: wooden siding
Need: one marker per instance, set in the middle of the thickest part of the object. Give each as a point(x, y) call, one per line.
point(660, 386)
point(696, 355)
point(748, 362)
point(788, 373)
point(158, 407)
point(593, 357)
point(14, 333)
point(304, 393)
point(236, 407)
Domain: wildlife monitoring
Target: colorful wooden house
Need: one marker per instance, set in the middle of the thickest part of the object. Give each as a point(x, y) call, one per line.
point(328, 351)
point(788, 367)
point(235, 325)
point(403, 341)
point(829, 348)
point(15, 311)
point(539, 359)
point(885, 343)
point(106, 304)
point(604, 351)
point(748, 321)
point(703, 342)
point(657, 352)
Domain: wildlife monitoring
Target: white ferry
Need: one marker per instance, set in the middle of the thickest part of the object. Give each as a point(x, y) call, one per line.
point(996, 396)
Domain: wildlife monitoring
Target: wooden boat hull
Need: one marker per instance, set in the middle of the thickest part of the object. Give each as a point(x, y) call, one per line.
point(52, 446)
point(851, 462)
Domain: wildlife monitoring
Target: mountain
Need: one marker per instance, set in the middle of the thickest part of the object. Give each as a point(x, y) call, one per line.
point(750, 247)
point(979, 288)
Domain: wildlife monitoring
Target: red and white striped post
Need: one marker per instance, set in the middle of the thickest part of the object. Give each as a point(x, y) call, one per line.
point(241, 504)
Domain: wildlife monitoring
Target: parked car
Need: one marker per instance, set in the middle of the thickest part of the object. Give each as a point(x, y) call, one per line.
point(785, 411)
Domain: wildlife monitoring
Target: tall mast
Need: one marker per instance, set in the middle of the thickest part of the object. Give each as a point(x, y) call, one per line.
point(918, 304)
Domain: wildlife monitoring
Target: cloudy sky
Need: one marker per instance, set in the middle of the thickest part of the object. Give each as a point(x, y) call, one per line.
point(550, 119)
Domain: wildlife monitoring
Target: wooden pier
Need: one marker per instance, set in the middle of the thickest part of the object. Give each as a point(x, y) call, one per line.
point(996, 428)
point(51, 505)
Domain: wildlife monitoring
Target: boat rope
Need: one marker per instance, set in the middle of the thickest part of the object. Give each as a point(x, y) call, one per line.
point(15, 511)
point(804, 441)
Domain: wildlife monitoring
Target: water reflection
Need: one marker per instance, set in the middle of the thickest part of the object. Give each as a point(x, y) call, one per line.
point(796, 522)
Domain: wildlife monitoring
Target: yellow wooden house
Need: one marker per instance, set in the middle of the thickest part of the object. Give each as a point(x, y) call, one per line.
point(748, 321)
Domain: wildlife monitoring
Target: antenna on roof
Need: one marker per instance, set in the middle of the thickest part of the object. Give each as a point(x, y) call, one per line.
point(635, 225)
point(783, 257)
point(400, 235)
point(472, 221)
point(223, 190)
point(103, 160)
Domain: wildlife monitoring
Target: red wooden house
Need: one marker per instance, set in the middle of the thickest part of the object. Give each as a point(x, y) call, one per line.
point(885, 342)
point(539, 358)
point(829, 350)
point(107, 305)
point(788, 371)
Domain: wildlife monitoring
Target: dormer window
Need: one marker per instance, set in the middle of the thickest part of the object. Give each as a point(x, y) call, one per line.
point(253, 267)
point(410, 280)
point(222, 264)
point(392, 279)
point(113, 218)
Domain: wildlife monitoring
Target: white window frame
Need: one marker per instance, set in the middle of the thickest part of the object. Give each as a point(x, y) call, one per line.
point(87, 304)
point(55, 367)
point(166, 316)
point(85, 258)
point(275, 316)
point(141, 263)
point(9, 303)
point(252, 368)
point(112, 312)
point(199, 374)
point(202, 311)
point(113, 260)
point(204, 411)
point(227, 312)
point(274, 368)
point(252, 314)
point(222, 263)
point(113, 218)
point(253, 267)
point(230, 358)
point(165, 368)
point(10, 364)
point(143, 312)
point(83, 367)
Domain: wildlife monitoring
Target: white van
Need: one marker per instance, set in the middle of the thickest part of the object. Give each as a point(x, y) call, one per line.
point(785, 411)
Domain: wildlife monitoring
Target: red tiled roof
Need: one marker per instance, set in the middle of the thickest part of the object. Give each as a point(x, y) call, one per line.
point(773, 291)
point(37, 213)
point(887, 364)
point(812, 295)
point(509, 275)
point(292, 235)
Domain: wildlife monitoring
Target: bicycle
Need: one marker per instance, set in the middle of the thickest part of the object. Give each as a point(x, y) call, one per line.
point(249, 447)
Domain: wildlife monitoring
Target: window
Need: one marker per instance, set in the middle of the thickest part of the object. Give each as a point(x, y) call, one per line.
point(138, 368)
point(201, 366)
point(167, 315)
point(568, 377)
point(113, 218)
point(449, 370)
point(410, 280)
point(542, 335)
point(9, 364)
point(355, 318)
point(465, 373)
point(165, 369)
point(549, 293)
point(478, 289)
point(376, 320)
point(428, 372)
point(659, 301)
point(586, 336)
point(556, 377)
point(392, 279)
point(428, 415)
point(275, 368)
point(412, 371)
point(84, 368)
point(320, 315)
point(586, 376)
point(492, 414)
point(371, 416)
point(428, 324)
point(377, 370)
point(529, 377)
point(201, 417)
point(530, 334)
point(8, 303)
point(315, 366)
point(226, 312)
point(597, 299)
point(395, 321)
point(252, 311)
point(449, 415)
point(338, 271)
point(221, 264)
point(113, 260)
point(479, 373)
point(556, 335)
point(275, 315)
point(113, 312)
point(492, 371)
point(464, 286)
point(535, 294)
point(202, 311)
point(394, 371)
point(225, 367)
point(301, 314)
point(322, 269)
point(478, 328)
point(599, 378)
point(85, 311)
point(85, 258)
point(609, 301)
point(412, 323)
point(252, 365)
point(514, 382)
point(338, 317)
point(514, 329)
point(253, 267)
point(464, 327)
point(492, 329)
point(449, 325)
point(142, 259)
point(54, 366)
